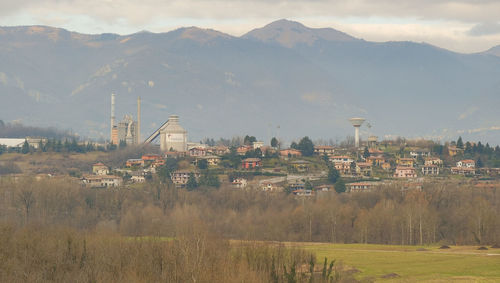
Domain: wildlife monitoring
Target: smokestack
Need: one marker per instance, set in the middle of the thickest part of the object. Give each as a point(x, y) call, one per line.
point(112, 115)
point(138, 120)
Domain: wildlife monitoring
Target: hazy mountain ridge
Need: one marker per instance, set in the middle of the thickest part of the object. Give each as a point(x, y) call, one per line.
point(223, 85)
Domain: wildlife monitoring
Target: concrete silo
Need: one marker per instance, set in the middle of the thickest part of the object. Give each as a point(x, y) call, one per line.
point(173, 136)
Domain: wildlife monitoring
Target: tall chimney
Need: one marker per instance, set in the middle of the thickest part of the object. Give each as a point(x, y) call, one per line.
point(112, 115)
point(138, 120)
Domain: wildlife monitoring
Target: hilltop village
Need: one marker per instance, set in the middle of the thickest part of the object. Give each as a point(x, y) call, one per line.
point(302, 169)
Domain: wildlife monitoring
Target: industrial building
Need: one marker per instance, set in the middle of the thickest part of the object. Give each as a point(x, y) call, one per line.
point(172, 136)
point(127, 130)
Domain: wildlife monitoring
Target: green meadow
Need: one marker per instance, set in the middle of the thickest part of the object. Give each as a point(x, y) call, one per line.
point(413, 263)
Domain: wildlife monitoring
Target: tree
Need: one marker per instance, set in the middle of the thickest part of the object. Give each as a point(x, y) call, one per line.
point(333, 174)
point(249, 140)
point(460, 143)
point(366, 153)
point(274, 142)
point(479, 163)
point(339, 186)
point(210, 180)
point(191, 183)
point(202, 164)
point(306, 146)
point(294, 145)
point(468, 148)
point(26, 147)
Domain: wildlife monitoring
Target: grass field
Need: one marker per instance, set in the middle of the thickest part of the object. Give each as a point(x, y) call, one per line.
point(463, 264)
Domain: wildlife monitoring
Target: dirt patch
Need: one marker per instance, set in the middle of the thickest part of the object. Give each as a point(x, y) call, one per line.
point(482, 249)
point(391, 275)
point(444, 247)
point(422, 250)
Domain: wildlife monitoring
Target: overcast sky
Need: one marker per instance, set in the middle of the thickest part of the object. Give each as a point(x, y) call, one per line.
point(459, 25)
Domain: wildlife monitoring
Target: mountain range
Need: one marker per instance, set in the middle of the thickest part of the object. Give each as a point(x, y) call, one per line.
point(283, 79)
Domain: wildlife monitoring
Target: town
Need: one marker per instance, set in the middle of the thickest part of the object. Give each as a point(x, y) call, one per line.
point(303, 168)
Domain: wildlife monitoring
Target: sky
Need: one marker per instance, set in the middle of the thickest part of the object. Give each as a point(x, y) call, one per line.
point(459, 25)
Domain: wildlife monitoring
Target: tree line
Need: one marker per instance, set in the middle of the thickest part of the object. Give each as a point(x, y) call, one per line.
point(450, 213)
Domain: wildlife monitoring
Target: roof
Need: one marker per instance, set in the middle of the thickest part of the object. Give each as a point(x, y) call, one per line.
point(251, 160)
point(12, 142)
point(467, 161)
point(323, 147)
point(339, 156)
point(404, 168)
point(406, 159)
point(99, 164)
point(360, 184)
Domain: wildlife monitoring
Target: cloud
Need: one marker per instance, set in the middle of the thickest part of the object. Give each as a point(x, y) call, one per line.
point(485, 29)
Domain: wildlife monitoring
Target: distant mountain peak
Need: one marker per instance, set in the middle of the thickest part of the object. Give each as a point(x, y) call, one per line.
point(495, 50)
point(200, 34)
point(290, 33)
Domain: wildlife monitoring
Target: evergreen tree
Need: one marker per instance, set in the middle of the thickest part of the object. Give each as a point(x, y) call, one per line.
point(333, 174)
point(306, 146)
point(460, 143)
point(294, 145)
point(468, 148)
point(274, 142)
point(202, 164)
point(366, 153)
point(479, 163)
point(249, 140)
point(340, 186)
point(191, 183)
point(26, 147)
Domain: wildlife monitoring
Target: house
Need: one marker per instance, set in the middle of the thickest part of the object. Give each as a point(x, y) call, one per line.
point(134, 163)
point(100, 169)
point(405, 172)
point(155, 160)
point(433, 161)
point(137, 177)
point(416, 153)
point(406, 162)
point(430, 170)
point(181, 177)
point(300, 165)
point(239, 183)
point(151, 157)
point(386, 166)
point(197, 152)
point(212, 160)
point(175, 154)
point(324, 149)
point(242, 150)
point(343, 167)
point(270, 187)
point(463, 171)
point(219, 150)
point(360, 186)
point(364, 169)
point(297, 185)
point(101, 181)
point(341, 158)
point(468, 163)
point(324, 188)
point(375, 151)
point(258, 144)
point(290, 153)
point(303, 193)
point(376, 160)
point(251, 163)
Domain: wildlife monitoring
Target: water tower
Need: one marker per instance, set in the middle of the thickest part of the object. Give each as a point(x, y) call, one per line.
point(356, 123)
